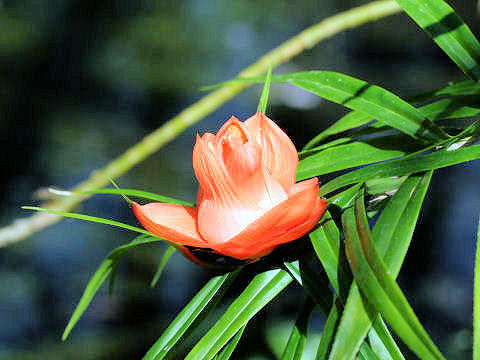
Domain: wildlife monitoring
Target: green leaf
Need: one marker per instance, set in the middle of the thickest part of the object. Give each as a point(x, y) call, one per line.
point(92, 219)
point(191, 315)
point(326, 243)
point(448, 30)
point(355, 154)
point(476, 301)
point(369, 99)
point(393, 232)
point(261, 290)
point(436, 160)
point(459, 88)
point(328, 333)
point(166, 256)
point(350, 121)
point(298, 337)
point(451, 108)
point(382, 343)
point(345, 198)
point(378, 286)
point(136, 193)
point(262, 105)
point(383, 185)
point(228, 349)
point(367, 353)
point(316, 284)
point(105, 268)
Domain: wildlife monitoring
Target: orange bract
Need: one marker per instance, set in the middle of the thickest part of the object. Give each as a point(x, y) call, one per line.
point(248, 202)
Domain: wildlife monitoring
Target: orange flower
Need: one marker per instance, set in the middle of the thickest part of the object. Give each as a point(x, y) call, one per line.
point(248, 202)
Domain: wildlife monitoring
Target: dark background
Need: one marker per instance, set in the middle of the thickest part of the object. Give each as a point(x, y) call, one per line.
point(81, 81)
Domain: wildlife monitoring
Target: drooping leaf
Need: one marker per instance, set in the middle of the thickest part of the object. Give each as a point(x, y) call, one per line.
point(378, 286)
point(99, 277)
point(448, 30)
point(436, 160)
point(261, 290)
point(136, 193)
point(92, 219)
point(298, 337)
point(191, 315)
point(166, 256)
point(393, 232)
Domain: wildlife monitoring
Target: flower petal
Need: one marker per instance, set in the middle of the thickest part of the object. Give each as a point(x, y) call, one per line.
point(211, 173)
point(279, 154)
point(175, 223)
point(285, 222)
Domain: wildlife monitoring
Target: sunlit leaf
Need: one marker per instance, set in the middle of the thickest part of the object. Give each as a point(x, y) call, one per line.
point(261, 290)
point(436, 160)
point(381, 342)
point(393, 232)
point(228, 349)
point(355, 154)
point(350, 121)
point(381, 290)
point(448, 30)
point(191, 316)
point(367, 354)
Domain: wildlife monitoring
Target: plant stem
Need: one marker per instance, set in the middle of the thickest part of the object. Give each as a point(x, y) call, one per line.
point(22, 228)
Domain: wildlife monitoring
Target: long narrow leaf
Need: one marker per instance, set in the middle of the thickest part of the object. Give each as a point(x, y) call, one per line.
point(394, 226)
point(298, 337)
point(166, 256)
point(91, 219)
point(402, 167)
point(448, 30)
point(379, 338)
point(136, 193)
point(451, 108)
point(328, 333)
point(355, 154)
point(369, 99)
point(350, 121)
point(99, 277)
point(191, 315)
point(228, 349)
point(261, 290)
point(379, 287)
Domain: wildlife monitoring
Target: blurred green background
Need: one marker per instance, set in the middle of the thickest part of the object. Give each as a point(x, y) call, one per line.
point(81, 81)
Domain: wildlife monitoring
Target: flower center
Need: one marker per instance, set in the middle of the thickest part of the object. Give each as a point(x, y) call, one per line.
point(235, 133)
